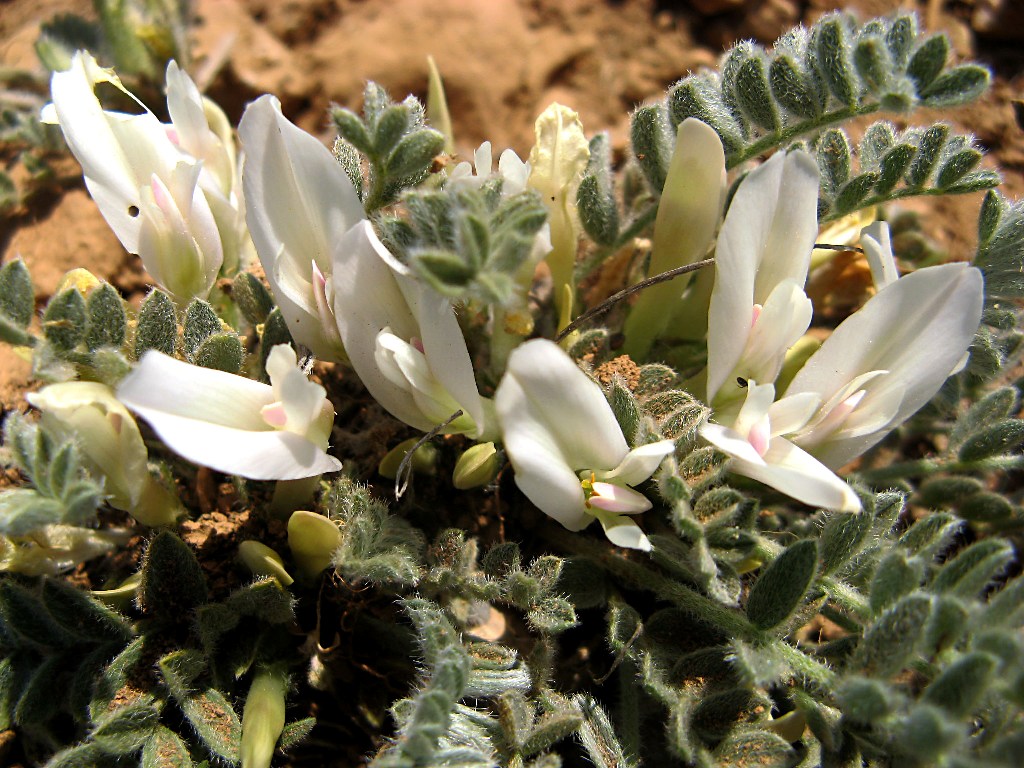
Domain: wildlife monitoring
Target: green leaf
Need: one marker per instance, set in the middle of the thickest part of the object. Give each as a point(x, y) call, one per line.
point(927, 537)
point(992, 209)
point(974, 568)
point(595, 197)
point(961, 685)
point(215, 722)
point(275, 331)
point(863, 700)
point(928, 61)
point(81, 615)
point(843, 536)
point(833, 58)
point(157, 325)
point(958, 85)
point(890, 643)
point(699, 96)
point(414, 154)
point(998, 439)
point(893, 166)
point(108, 320)
point(987, 508)
point(779, 592)
point(64, 320)
point(252, 297)
point(552, 615)
point(126, 729)
point(871, 60)
point(17, 297)
point(790, 88)
point(946, 625)
point(200, 323)
point(172, 584)
point(352, 129)
point(179, 670)
point(221, 352)
point(756, 747)
point(753, 93)
point(652, 145)
point(23, 615)
point(165, 749)
point(854, 193)
point(388, 128)
point(929, 149)
point(834, 161)
point(878, 139)
point(957, 167)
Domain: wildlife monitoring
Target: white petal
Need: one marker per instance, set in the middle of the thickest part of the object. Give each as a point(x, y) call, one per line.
point(162, 384)
point(781, 323)
point(367, 300)
point(766, 238)
point(875, 241)
point(624, 532)
point(640, 463)
point(299, 202)
point(730, 442)
point(566, 403)
point(917, 329)
point(541, 469)
point(272, 455)
point(792, 412)
point(799, 475)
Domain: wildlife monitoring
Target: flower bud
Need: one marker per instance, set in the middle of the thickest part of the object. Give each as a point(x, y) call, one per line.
point(476, 466)
point(424, 461)
point(313, 540)
point(263, 561)
point(262, 719)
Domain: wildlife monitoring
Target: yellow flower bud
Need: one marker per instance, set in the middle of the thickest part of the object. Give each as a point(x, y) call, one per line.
point(313, 540)
point(262, 719)
point(476, 466)
point(263, 561)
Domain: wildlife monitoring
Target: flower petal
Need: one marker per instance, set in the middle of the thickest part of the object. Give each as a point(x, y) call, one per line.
point(640, 463)
point(566, 403)
point(624, 532)
point(797, 474)
point(541, 470)
point(299, 202)
point(162, 384)
point(766, 238)
point(875, 241)
point(917, 329)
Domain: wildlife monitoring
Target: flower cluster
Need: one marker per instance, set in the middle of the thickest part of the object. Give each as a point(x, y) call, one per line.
point(172, 194)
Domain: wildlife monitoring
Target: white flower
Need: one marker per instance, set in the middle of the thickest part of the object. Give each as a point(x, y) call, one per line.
point(569, 455)
point(299, 204)
point(758, 308)
point(167, 191)
point(688, 214)
point(885, 361)
point(233, 424)
point(403, 339)
point(879, 367)
point(758, 449)
point(511, 169)
point(111, 445)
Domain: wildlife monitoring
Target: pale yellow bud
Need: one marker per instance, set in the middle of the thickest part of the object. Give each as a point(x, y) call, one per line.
point(313, 540)
point(262, 719)
point(476, 466)
point(263, 561)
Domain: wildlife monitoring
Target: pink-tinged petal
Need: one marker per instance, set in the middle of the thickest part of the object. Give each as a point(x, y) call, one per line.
point(624, 532)
point(163, 384)
point(917, 329)
point(799, 475)
point(730, 442)
point(609, 497)
point(567, 403)
point(640, 463)
point(766, 238)
point(875, 241)
point(299, 203)
point(274, 415)
point(779, 324)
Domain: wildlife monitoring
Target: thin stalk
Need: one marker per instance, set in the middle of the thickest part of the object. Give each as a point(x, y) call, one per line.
point(790, 132)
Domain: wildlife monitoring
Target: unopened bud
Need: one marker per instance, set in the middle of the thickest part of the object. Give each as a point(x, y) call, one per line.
point(476, 466)
point(313, 540)
point(424, 460)
point(262, 719)
point(263, 561)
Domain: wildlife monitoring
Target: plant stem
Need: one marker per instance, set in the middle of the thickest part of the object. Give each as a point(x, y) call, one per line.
point(789, 133)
